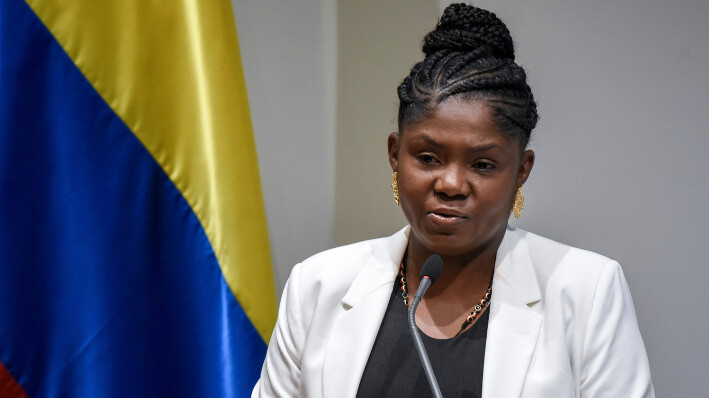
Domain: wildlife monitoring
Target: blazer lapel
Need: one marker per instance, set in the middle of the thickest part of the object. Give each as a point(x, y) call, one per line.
point(356, 327)
point(513, 326)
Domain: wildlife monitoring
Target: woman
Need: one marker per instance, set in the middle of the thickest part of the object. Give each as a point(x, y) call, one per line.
point(512, 314)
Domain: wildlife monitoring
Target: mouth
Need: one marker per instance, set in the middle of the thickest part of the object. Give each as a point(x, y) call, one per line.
point(446, 217)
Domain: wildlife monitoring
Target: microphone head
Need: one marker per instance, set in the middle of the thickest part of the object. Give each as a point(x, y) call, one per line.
point(432, 267)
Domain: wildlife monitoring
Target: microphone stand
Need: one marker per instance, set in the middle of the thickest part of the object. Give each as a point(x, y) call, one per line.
point(428, 369)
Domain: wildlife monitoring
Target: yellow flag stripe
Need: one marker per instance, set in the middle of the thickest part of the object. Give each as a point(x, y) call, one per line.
point(172, 72)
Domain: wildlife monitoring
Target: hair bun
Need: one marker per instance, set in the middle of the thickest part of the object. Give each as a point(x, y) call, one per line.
point(465, 28)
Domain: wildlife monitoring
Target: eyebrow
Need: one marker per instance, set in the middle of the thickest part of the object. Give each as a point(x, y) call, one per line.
point(475, 149)
point(431, 141)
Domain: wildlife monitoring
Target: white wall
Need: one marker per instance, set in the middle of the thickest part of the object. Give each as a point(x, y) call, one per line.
point(288, 52)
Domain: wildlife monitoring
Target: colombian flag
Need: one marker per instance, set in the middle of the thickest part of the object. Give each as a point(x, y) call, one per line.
point(134, 256)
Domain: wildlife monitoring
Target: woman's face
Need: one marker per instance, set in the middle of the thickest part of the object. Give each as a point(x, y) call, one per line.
point(458, 175)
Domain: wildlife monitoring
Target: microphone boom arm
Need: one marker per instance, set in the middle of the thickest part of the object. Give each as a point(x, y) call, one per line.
point(428, 369)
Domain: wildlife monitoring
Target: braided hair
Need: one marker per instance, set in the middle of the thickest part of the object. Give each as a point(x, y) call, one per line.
point(470, 56)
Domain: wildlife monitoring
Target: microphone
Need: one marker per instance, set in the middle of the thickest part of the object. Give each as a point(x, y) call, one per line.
point(430, 272)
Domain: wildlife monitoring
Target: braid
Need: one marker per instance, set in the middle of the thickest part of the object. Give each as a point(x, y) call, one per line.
point(470, 55)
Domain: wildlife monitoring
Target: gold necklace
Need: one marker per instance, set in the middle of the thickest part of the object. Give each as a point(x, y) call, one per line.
point(484, 302)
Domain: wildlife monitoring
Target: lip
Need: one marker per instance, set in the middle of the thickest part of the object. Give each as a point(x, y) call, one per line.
point(446, 216)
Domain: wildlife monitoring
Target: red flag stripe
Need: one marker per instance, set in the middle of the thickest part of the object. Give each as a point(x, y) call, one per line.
point(9, 387)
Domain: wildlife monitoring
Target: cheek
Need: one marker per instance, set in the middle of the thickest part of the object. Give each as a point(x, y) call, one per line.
point(414, 189)
point(497, 198)
point(413, 183)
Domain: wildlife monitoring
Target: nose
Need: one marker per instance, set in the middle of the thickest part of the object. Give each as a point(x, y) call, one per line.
point(452, 183)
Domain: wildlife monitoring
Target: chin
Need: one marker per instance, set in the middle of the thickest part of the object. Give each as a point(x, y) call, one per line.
point(461, 243)
point(448, 245)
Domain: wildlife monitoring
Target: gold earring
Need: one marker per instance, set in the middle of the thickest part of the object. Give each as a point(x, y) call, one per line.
point(519, 203)
point(395, 186)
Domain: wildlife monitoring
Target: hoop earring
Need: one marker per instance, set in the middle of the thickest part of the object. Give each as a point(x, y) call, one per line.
point(519, 203)
point(395, 186)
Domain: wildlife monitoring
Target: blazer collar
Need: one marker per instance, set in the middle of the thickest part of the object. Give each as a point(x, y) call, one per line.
point(513, 326)
point(380, 270)
point(513, 265)
point(512, 330)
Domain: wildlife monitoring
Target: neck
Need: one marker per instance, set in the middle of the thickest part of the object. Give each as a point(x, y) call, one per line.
point(463, 282)
point(462, 274)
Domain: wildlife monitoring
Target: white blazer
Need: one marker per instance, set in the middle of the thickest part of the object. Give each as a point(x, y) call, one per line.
point(562, 323)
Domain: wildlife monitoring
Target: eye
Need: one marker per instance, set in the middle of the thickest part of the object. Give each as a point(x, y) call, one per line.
point(484, 166)
point(426, 158)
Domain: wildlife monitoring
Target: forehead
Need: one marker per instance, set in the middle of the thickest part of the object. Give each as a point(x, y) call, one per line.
point(464, 122)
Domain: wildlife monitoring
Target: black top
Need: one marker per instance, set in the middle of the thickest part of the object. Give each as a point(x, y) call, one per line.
point(394, 369)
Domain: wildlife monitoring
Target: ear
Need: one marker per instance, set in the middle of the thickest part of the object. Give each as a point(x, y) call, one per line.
point(393, 145)
point(525, 167)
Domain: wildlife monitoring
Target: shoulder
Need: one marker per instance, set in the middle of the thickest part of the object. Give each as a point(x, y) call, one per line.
point(316, 287)
point(340, 264)
point(331, 273)
point(586, 311)
point(545, 251)
point(565, 276)
point(561, 265)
